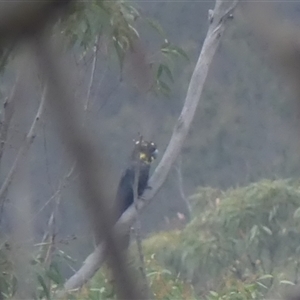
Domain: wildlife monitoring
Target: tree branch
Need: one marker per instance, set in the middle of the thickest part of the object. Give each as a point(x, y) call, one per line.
point(95, 58)
point(210, 45)
point(6, 116)
point(24, 148)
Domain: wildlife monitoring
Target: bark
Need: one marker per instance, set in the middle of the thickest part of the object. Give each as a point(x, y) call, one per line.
point(216, 28)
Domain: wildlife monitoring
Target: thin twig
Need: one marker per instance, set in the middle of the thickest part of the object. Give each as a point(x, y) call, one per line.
point(6, 116)
point(88, 95)
point(62, 185)
point(51, 229)
point(24, 148)
point(70, 172)
point(137, 226)
point(46, 155)
point(95, 58)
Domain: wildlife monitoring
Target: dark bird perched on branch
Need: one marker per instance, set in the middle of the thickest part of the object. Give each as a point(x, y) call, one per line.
point(142, 156)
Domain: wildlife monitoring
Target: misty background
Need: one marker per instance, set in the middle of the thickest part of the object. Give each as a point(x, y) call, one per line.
point(244, 129)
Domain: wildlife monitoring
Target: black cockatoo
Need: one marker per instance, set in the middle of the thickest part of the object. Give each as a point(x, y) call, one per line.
point(142, 156)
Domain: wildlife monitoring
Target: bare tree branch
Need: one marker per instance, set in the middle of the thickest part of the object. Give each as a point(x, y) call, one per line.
point(24, 148)
point(51, 232)
point(88, 95)
point(95, 58)
point(70, 172)
point(6, 116)
point(192, 99)
point(210, 45)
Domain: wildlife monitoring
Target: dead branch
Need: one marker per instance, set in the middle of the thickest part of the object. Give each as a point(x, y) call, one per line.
point(24, 148)
point(51, 233)
point(88, 95)
point(210, 45)
point(70, 172)
point(95, 58)
point(63, 184)
point(6, 116)
point(92, 169)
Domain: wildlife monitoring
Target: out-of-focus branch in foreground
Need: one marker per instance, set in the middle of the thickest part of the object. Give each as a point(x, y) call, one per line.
point(92, 169)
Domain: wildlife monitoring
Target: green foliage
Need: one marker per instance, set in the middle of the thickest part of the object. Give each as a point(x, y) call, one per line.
point(164, 284)
point(45, 277)
point(170, 54)
point(102, 18)
point(117, 22)
point(238, 290)
point(235, 238)
point(241, 244)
